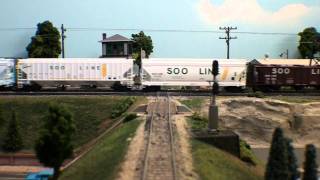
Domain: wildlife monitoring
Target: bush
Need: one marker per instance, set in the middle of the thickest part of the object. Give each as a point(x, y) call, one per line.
point(296, 122)
point(198, 122)
point(130, 117)
point(278, 161)
point(13, 142)
point(257, 94)
point(310, 164)
point(121, 107)
point(246, 153)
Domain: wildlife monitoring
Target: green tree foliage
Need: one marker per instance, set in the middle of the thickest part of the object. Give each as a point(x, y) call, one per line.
point(309, 42)
point(119, 108)
point(13, 141)
point(292, 161)
point(277, 166)
point(1, 119)
point(54, 144)
point(46, 42)
point(310, 164)
point(141, 41)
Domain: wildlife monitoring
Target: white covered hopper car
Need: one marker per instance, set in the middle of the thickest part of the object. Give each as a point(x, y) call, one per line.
point(7, 72)
point(192, 72)
point(74, 72)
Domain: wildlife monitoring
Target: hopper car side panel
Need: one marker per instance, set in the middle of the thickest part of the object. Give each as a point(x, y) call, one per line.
point(193, 72)
point(277, 76)
point(7, 73)
point(74, 72)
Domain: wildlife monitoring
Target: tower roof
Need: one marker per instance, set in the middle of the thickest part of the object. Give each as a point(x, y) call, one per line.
point(116, 38)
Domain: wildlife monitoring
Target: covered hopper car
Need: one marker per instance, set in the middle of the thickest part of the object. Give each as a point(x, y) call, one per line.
point(7, 73)
point(193, 72)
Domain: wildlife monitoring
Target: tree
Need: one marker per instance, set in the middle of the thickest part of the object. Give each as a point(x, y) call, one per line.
point(54, 144)
point(141, 41)
point(309, 42)
point(310, 164)
point(46, 42)
point(1, 118)
point(13, 141)
point(277, 166)
point(292, 161)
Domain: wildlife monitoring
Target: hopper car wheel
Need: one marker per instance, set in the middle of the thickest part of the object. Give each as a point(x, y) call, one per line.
point(117, 86)
point(263, 88)
point(32, 87)
point(61, 87)
point(275, 88)
point(298, 88)
point(233, 89)
point(152, 88)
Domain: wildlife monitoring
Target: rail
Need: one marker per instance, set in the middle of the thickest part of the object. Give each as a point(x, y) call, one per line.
point(164, 118)
point(147, 151)
point(172, 142)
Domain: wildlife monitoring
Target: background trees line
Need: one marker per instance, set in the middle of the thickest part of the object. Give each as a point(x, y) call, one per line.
point(46, 42)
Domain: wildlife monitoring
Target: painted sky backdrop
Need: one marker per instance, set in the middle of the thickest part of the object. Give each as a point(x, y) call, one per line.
point(86, 20)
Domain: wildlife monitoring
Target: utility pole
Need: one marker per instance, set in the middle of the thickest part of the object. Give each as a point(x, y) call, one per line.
point(285, 53)
point(62, 39)
point(228, 38)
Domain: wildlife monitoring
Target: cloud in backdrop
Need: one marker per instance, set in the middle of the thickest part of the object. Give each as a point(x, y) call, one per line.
point(251, 12)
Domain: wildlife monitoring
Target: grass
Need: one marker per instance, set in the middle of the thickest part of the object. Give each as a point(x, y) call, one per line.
point(92, 114)
point(194, 103)
point(197, 122)
point(212, 163)
point(296, 99)
point(247, 155)
point(103, 161)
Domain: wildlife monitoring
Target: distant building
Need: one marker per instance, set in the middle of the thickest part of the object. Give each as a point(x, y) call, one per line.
point(116, 46)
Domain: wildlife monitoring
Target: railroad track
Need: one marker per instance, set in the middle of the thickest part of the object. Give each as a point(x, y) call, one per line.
point(159, 158)
point(141, 93)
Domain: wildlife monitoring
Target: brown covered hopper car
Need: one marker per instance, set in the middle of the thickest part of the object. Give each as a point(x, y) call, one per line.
point(273, 77)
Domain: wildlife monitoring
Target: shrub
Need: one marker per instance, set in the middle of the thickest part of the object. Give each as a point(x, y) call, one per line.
point(198, 122)
point(13, 140)
point(310, 165)
point(277, 166)
point(297, 122)
point(1, 118)
point(292, 161)
point(257, 94)
point(130, 117)
point(246, 153)
point(121, 107)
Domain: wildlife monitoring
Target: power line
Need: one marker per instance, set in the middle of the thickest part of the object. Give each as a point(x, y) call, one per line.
point(228, 38)
point(266, 33)
point(157, 30)
point(16, 29)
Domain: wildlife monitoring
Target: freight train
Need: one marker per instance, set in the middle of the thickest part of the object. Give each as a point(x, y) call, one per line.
point(155, 73)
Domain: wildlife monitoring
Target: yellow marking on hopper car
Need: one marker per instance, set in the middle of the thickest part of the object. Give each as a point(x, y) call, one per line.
point(224, 74)
point(240, 76)
point(104, 70)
